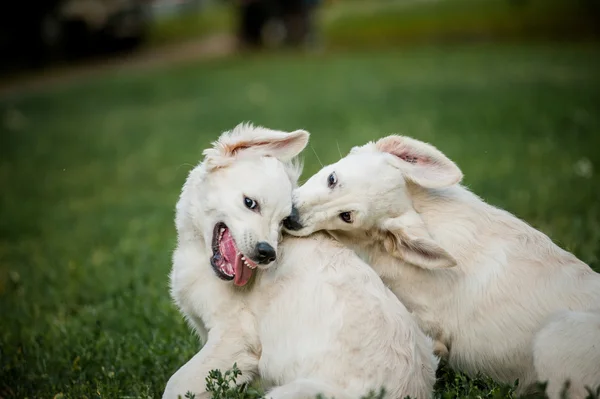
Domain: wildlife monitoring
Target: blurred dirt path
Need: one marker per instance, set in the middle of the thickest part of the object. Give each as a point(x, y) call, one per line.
point(215, 46)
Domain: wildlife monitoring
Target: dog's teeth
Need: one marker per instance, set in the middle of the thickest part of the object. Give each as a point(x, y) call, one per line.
point(244, 259)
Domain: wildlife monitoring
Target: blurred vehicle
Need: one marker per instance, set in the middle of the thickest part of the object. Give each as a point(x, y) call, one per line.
point(33, 33)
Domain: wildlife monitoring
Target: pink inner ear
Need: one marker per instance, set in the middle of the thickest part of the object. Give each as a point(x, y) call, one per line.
point(409, 158)
point(243, 145)
point(392, 146)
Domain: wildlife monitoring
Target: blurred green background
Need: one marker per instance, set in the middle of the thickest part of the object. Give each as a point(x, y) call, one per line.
point(92, 159)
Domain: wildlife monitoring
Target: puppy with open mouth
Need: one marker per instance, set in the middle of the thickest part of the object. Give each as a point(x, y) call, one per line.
point(306, 315)
point(227, 261)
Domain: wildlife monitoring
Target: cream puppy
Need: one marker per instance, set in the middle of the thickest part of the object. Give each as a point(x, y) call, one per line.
point(307, 315)
point(497, 295)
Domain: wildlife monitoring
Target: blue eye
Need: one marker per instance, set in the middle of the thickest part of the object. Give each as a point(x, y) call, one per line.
point(250, 203)
point(332, 180)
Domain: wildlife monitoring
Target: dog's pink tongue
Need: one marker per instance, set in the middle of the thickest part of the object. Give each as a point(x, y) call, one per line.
point(227, 247)
point(242, 272)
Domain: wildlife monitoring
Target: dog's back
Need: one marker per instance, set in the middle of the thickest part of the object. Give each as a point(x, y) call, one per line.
point(340, 319)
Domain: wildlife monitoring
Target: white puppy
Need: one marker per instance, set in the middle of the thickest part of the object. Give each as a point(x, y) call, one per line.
point(316, 320)
point(497, 294)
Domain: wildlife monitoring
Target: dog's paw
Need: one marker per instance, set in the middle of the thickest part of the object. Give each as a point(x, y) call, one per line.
point(440, 350)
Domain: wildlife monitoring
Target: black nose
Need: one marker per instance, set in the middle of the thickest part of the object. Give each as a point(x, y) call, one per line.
point(292, 222)
point(265, 253)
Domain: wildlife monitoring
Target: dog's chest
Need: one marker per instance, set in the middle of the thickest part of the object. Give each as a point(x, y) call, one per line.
point(290, 327)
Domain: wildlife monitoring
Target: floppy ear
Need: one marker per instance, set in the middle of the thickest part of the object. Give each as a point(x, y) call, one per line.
point(420, 162)
point(407, 238)
point(247, 140)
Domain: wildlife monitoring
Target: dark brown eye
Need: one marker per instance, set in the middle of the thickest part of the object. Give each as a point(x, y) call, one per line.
point(332, 180)
point(251, 204)
point(346, 217)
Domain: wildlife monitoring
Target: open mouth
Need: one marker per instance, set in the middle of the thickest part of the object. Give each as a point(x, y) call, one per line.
point(227, 261)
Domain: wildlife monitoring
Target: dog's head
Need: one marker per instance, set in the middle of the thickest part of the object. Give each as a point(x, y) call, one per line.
point(234, 202)
point(367, 192)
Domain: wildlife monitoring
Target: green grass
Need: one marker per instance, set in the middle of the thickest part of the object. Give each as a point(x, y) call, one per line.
point(90, 173)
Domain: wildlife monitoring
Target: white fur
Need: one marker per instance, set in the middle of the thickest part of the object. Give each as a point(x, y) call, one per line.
point(318, 320)
point(498, 296)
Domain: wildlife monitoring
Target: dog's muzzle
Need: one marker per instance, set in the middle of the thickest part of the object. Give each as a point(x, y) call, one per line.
point(292, 222)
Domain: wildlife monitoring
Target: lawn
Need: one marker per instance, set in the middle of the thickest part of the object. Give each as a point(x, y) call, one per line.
point(90, 174)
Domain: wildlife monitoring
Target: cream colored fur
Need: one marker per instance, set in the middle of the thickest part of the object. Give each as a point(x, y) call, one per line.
point(317, 320)
point(498, 296)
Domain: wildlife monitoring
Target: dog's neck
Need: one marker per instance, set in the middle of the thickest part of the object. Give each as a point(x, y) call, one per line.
point(456, 219)
point(469, 228)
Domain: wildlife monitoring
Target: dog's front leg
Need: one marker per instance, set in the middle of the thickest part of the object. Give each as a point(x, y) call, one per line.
point(221, 351)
